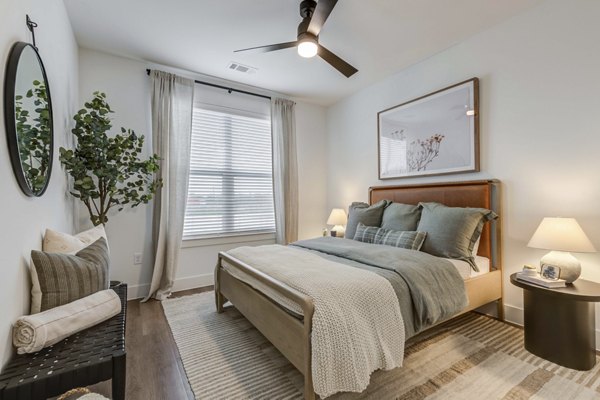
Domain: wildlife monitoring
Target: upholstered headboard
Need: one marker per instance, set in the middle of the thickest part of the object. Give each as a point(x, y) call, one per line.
point(483, 194)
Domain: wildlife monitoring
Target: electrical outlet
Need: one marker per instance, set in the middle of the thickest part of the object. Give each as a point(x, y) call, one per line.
point(137, 258)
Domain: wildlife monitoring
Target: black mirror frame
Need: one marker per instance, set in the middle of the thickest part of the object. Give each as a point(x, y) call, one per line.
point(9, 117)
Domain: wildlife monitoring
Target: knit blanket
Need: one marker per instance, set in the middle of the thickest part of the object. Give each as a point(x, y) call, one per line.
point(433, 289)
point(357, 324)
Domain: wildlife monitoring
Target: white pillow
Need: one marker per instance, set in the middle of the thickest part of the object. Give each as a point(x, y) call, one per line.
point(58, 242)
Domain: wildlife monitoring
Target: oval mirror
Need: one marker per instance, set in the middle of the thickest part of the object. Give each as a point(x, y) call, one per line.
point(28, 115)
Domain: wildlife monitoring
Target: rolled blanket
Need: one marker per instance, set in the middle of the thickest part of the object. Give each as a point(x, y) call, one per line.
point(32, 333)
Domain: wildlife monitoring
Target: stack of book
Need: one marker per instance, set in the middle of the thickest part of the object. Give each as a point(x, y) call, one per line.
point(539, 280)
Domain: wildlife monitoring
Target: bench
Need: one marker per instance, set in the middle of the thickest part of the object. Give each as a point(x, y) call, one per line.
point(85, 358)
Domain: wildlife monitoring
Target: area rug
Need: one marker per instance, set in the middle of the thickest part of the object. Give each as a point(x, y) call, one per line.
point(471, 357)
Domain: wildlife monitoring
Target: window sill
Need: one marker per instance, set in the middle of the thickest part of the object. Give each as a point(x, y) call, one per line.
point(217, 240)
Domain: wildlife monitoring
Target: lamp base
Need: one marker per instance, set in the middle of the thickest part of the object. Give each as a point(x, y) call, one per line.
point(339, 231)
point(570, 267)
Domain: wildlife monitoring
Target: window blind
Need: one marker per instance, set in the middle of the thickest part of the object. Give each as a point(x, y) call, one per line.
point(230, 188)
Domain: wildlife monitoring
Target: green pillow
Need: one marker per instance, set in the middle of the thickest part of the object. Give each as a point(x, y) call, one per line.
point(452, 231)
point(401, 217)
point(362, 212)
point(404, 239)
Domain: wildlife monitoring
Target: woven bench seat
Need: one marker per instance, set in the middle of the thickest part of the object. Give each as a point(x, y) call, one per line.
point(85, 358)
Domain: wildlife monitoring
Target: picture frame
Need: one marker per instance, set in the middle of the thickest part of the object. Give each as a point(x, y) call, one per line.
point(550, 271)
point(435, 134)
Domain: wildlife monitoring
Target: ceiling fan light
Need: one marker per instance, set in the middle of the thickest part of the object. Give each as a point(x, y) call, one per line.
point(307, 48)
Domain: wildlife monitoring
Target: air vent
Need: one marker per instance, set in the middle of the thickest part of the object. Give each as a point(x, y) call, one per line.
point(245, 69)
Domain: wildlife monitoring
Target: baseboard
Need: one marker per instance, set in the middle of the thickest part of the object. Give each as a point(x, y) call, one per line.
point(189, 282)
point(192, 282)
point(515, 315)
point(137, 291)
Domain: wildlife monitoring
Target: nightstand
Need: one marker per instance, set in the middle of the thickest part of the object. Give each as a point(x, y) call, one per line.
point(560, 323)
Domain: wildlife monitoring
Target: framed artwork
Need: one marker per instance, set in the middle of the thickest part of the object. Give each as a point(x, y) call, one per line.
point(432, 135)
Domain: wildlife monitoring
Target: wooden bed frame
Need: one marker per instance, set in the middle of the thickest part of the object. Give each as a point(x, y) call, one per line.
point(292, 336)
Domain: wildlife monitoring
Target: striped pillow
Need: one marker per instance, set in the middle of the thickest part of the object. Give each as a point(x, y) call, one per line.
point(59, 278)
point(405, 239)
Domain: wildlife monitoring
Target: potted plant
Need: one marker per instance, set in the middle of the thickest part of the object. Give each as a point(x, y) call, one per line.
point(107, 171)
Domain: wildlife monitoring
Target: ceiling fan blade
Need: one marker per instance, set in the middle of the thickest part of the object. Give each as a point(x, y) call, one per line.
point(336, 62)
point(271, 47)
point(320, 15)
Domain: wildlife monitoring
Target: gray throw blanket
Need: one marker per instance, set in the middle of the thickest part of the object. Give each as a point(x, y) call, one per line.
point(436, 290)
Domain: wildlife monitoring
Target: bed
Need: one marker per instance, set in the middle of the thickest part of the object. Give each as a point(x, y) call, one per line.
point(291, 334)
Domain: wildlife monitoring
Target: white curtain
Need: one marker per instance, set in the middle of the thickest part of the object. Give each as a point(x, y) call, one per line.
point(172, 103)
point(285, 170)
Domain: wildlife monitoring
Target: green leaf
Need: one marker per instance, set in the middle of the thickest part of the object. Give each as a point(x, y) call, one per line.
point(106, 165)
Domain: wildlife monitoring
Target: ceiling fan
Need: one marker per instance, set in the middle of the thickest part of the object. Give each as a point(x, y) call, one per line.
point(314, 14)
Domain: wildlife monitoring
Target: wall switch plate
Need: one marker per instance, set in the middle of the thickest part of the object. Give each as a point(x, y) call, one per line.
point(137, 258)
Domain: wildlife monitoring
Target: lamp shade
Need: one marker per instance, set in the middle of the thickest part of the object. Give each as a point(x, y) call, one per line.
point(561, 234)
point(337, 217)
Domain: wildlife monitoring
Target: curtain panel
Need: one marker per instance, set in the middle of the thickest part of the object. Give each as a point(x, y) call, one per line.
point(285, 170)
point(172, 105)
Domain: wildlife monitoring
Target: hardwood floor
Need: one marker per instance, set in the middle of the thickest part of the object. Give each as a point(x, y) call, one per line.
point(154, 369)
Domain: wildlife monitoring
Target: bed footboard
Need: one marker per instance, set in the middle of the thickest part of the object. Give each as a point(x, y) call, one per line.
point(288, 334)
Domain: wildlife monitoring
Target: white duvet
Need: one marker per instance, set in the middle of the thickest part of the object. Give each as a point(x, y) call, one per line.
point(357, 326)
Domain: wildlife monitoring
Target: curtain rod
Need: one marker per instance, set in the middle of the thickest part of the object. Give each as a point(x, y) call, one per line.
point(229, 89)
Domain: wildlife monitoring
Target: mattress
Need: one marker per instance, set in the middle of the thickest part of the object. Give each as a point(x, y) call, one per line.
point(466, 271)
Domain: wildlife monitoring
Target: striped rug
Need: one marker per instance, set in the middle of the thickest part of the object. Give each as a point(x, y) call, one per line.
point(471, 357)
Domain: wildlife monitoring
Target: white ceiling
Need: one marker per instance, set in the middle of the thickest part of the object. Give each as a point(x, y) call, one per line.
point(379, 37)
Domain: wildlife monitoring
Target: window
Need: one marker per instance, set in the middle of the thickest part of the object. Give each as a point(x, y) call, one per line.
point(230, 188)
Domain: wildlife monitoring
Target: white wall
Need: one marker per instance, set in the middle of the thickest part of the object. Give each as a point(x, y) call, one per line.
point(540, 125)
point(312, 169)
point(127, 88)
point(25, 219)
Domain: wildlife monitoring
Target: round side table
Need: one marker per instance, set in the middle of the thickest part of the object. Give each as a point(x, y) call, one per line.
point(560, 323)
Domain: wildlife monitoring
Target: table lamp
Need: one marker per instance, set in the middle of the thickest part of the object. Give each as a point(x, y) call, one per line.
point(562, 236)
point(338, 219)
